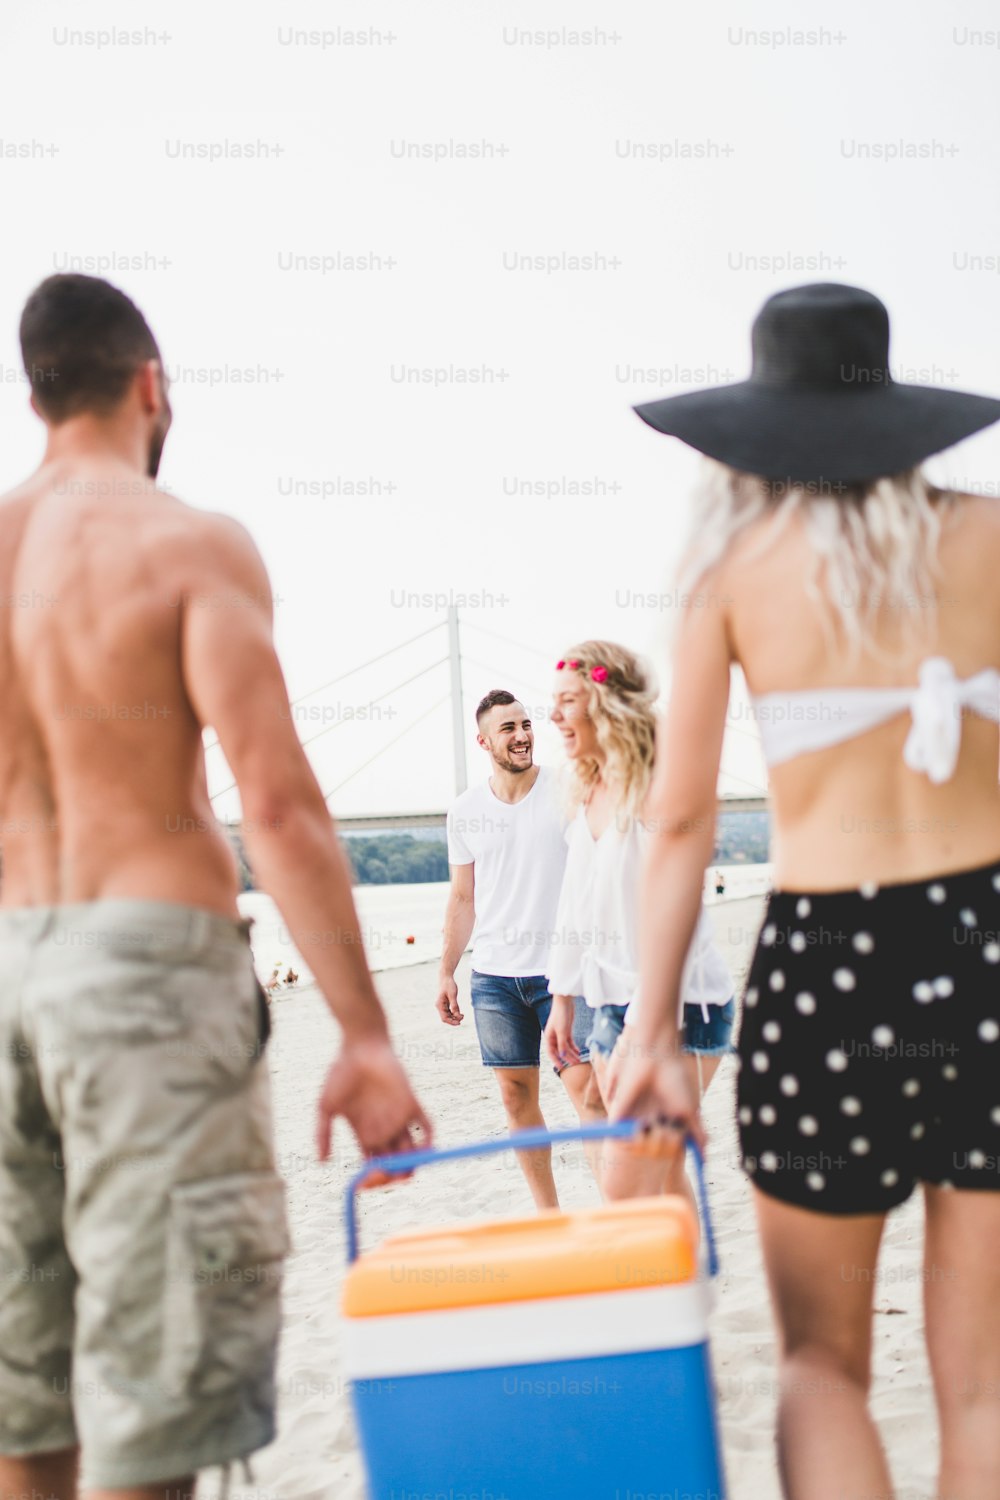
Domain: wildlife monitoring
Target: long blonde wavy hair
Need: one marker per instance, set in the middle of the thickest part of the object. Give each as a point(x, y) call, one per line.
point(870, 542)
point(621, 708)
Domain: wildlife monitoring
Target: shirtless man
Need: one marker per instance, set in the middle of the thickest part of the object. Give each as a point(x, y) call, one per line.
point(142, 1224)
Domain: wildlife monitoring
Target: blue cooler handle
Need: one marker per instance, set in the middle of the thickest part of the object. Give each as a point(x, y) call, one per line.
point(521, 1140)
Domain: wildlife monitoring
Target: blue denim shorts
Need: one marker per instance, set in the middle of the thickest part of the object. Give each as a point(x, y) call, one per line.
point(711, 1038)
point(511, 1012)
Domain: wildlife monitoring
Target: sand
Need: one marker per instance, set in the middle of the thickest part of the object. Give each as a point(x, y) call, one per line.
point(315, 1456)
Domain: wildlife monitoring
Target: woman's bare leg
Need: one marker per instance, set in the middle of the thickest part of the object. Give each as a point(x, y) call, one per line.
point(632, 1176)
point(962, 1307)
point(625, 1173)
point(821, 1270)
point(702, 1070)
point(579, 1083)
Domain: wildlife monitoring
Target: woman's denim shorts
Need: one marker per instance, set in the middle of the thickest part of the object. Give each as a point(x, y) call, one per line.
point(711, 1038)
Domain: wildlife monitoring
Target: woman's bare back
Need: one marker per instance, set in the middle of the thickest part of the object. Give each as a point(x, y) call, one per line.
point(855, 811)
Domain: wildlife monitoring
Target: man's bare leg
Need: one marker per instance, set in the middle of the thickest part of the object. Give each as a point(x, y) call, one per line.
point(585, 1096)
point(52, 1475)
point(172, 1489)
point(519, 1092)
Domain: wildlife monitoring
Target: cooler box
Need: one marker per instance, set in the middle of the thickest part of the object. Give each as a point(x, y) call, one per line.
point(564, 1355)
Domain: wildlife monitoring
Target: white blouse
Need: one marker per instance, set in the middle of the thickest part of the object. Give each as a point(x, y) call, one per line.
point(595, 945)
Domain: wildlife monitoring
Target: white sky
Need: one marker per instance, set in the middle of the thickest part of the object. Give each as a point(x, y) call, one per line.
point(679, 304)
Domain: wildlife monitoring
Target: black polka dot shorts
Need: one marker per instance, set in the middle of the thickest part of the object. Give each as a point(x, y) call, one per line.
point(869, 1049)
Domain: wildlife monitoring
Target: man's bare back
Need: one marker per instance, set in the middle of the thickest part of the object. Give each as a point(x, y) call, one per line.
point(102, 783)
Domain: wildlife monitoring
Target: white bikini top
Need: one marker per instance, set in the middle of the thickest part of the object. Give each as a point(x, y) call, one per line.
point(795, 723)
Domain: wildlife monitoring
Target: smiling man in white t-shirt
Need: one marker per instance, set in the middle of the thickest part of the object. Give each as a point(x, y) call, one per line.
point(507, 850)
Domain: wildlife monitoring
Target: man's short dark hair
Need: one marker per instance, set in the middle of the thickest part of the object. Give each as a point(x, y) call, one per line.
point(497, 695)
point(82, 340)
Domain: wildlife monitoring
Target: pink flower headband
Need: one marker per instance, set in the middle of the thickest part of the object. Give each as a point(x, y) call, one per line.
point(598, 673)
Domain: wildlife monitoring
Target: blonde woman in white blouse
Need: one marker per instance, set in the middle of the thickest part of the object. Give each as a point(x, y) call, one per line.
point(603, 707)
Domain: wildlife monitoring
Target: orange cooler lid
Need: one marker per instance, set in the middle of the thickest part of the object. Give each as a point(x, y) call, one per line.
point(642, 1243)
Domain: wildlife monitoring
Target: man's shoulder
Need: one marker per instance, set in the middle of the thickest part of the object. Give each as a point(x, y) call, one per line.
point(18, 506)
point(472, 797)
point(225, 532)
point(552, 776)
point(15, 512)
point(211, 549)
point(556, 786)
point(22, 494)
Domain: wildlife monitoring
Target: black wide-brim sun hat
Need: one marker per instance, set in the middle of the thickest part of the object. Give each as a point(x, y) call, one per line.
point(820, 406)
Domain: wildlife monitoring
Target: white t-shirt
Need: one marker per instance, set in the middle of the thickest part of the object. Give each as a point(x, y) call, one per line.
point(519, 853)
point(598, 924)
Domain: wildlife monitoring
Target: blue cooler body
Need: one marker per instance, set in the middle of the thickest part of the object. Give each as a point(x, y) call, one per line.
point(561, 1356)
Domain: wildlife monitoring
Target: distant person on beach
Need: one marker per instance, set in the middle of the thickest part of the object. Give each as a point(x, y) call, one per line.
point(142, 1219)
point(720, 883)
point(861, 603)
point(603, 708)
point(507, 850)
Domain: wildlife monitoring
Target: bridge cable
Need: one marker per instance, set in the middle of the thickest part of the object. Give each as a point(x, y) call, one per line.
point(388, 745)
point(211, 744)
point(339, 724)
point(507, 640)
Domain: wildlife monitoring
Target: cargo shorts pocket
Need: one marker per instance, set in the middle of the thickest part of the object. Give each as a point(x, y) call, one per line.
point(263, 1017)
point(227, 1238)
point(133, 1003)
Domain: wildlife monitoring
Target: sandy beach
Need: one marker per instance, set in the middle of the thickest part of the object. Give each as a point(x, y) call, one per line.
point(315, 1456)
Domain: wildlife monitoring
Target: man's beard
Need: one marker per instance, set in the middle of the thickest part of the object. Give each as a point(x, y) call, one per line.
point(156, 443)
point(516, 765)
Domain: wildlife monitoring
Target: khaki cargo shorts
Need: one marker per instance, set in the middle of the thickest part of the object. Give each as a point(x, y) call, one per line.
point(142, 1221)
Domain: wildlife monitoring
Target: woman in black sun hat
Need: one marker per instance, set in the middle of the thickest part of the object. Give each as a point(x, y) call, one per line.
point(863, 605)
